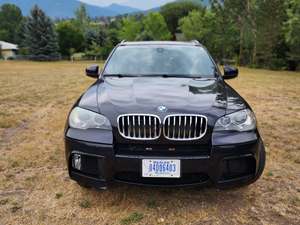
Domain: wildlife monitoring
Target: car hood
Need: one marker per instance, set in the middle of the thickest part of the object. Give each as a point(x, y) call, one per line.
point(145, 94)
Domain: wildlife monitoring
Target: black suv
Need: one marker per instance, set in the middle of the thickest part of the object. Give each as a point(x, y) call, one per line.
point(161, 114)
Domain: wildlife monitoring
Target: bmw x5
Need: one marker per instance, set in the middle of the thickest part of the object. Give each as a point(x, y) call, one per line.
point(161, 114)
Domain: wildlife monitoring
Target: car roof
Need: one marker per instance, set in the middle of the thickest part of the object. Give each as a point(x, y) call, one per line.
point(143, 43)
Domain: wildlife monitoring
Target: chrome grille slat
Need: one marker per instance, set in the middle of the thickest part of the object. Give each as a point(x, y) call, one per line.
point(139, 120)
point(186, 127)
point(150, 127)
point(129, 127)
point(195, 130)
point(155, 134)
point(178, 127)
point(169, 120)
point(123, 124)
point(174, 125)
point(145, 126)
point(133, 123)
point(190, 128)
point(201, 125)
point(139, 126)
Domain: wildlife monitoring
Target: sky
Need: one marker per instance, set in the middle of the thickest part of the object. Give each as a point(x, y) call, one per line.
point(140, 4)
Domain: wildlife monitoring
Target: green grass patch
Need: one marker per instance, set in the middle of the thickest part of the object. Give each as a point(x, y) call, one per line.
point(58, 195)
point(85, 204)
point(132, 218)
point(270, 174)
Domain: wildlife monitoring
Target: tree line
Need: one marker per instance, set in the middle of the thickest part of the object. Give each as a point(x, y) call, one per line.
point(256, 33)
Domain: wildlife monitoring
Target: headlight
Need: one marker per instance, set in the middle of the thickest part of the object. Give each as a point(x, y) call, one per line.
point(243, 120)
point(85, 119)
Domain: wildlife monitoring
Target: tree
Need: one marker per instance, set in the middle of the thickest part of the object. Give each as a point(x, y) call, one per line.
point(69, 37)
point(173, 12)
point(21, 37)
point(131, 29)
point(201, 26)
point(94, 51)
point(155, 27)
point(226, 34)
point(292, 33)
point(81, 17)
point(91, 36)
point(98, 42)
point(241, 14)
point(111, 41)
point(41, 37)
point(4, 34)
point(113, 31)
point(270, 19)
point(260, 23)
point(10, 19)
point(96, 35)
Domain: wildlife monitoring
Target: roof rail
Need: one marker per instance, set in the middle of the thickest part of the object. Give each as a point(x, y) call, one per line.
point(196, 42)
point(123, 41)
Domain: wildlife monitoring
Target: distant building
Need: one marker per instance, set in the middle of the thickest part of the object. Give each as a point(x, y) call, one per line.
point(8, 50)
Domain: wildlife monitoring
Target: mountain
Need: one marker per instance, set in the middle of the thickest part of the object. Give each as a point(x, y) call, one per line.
point(205, 3)
point(121, 9)
point(140, 4)
point(146, 4)
point(202, 2)
point(66, 8)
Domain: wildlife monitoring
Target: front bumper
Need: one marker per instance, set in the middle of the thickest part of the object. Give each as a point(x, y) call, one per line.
point(226, 165)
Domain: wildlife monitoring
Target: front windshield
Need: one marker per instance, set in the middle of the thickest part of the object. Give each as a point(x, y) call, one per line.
point(166, 60)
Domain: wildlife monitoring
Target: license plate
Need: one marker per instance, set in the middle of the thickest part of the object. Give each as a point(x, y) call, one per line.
point(161, 168)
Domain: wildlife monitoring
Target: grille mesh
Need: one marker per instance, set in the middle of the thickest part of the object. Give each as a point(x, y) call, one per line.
point(139, 126)
point(185, 127)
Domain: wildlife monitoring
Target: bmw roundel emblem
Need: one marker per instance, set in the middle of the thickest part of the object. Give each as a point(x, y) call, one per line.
point(162, 108)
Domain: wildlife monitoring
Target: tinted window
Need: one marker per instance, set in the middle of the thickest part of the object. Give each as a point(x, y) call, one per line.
point(160, 60)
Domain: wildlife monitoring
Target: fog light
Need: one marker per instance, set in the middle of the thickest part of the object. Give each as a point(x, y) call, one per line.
point(238, 167)
point(76, 161)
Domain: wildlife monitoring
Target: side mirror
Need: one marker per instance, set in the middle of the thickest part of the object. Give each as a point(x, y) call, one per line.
point(230, 72)
point(92, 71)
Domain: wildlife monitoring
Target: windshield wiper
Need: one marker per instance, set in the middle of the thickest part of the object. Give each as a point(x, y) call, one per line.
point(121, 75)
point(179, 76)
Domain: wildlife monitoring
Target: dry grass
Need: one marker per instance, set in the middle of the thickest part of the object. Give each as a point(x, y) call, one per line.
point(34, 184)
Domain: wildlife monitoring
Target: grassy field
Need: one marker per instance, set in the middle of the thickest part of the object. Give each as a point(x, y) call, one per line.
point(35, 187)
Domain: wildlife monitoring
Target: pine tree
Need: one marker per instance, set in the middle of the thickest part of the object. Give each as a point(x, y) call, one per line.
point(81, 18)
point(40, 35)
point(21, 34)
